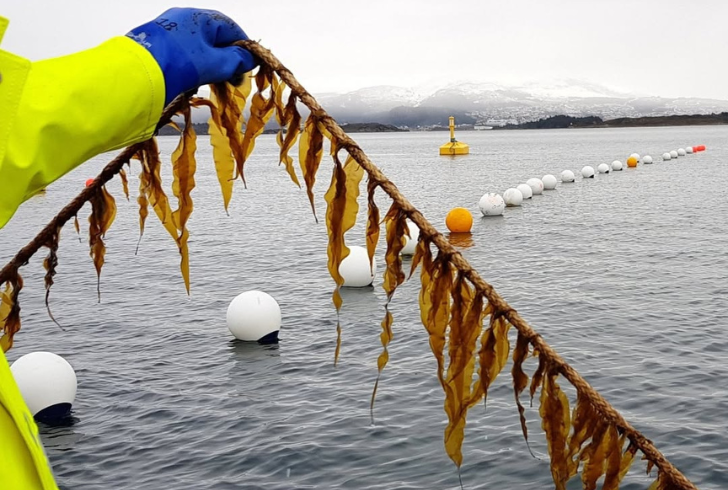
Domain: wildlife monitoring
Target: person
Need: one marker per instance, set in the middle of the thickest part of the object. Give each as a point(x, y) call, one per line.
point(57, 113)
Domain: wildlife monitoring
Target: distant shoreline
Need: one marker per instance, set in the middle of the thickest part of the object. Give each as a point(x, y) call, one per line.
point(564, 122)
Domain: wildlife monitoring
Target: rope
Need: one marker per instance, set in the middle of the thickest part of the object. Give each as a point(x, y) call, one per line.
point(607, 411)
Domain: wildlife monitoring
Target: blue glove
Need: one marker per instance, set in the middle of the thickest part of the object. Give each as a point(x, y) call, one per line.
point(192, 48)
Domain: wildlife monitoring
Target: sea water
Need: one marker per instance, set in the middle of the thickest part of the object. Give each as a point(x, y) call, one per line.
point(625, 275)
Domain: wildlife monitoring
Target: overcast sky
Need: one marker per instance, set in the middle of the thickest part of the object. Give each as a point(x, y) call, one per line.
point(654, 47)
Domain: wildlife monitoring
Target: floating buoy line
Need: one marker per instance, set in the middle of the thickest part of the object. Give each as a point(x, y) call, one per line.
point(534, 186)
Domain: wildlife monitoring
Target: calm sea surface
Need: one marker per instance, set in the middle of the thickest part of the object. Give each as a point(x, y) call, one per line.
point(625, 275)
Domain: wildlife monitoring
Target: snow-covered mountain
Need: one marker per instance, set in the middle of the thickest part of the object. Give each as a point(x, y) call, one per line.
point(494, 104)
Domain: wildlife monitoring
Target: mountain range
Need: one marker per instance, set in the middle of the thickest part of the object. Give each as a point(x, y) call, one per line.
point(491, 104)
point(494, 104)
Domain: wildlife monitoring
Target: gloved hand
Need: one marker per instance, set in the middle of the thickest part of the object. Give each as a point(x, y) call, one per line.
point(192, 48)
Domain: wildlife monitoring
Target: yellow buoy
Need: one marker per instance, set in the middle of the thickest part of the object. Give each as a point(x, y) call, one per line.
point(459, 220)
point(631, 162)
point(454, 147)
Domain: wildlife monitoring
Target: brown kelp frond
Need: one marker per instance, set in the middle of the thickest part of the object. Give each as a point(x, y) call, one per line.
point(222, 154)
point(493, 354)
point(627, 458)
point(437, 279)
point(419, 253)
point(261, 108)
point(310, 152)
point(585, 421)
point(77, 226)
point(555, 421)
point(520, 381)
point(103, 212)
point(396, 226)
point(341, 211)
point(396, 229)
point(124, 183)
point(49, 264)
point(466, 322)
point(143, 205)
point(289, 119)
point(373, 230)
point(150, 179)
point(537, 376)
point(231, 103)
point(183, 170)
point(10, 310)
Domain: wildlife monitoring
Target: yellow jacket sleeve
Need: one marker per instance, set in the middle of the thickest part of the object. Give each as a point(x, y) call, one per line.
point(57, 113)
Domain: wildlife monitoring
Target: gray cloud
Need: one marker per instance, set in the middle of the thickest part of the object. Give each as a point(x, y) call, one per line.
point(668, 47)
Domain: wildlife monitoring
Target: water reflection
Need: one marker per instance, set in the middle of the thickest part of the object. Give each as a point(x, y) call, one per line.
point(254, 368)
point(461, 240)
point(248, 352)
point(60, 436)
point(358, 300)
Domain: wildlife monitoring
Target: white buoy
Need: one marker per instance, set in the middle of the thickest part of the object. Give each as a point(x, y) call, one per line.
point(688, 149)
point(636, 156)
point(666, 156)
point(567, 176)
point(410, 242)
point(673, 154)
point(603, 168)
point(647, 159)
point(536, 186)
point(355, 268)
point(48, 385)
point(491, 204)
point(617, 165)
point(254, 316)
point(526, 191)
point(681, 152)
point(513, 197)
point(587, 172)
point(549, 182)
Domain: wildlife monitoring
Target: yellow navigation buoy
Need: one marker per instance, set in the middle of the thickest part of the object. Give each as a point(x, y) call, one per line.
point(632, 162)
point(459, 220)
point(454, 147)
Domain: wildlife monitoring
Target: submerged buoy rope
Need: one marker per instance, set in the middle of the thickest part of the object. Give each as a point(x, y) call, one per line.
point(602, 430)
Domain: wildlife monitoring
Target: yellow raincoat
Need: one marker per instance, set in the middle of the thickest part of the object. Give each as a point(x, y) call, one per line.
point(54, 115)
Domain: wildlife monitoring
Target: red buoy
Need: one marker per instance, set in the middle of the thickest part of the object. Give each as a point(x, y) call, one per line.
point(89, 182)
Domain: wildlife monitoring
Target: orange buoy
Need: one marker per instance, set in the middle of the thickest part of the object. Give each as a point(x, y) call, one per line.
point(89, 182)
point(631, 162)
point(459, 220)
point(700, 148)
